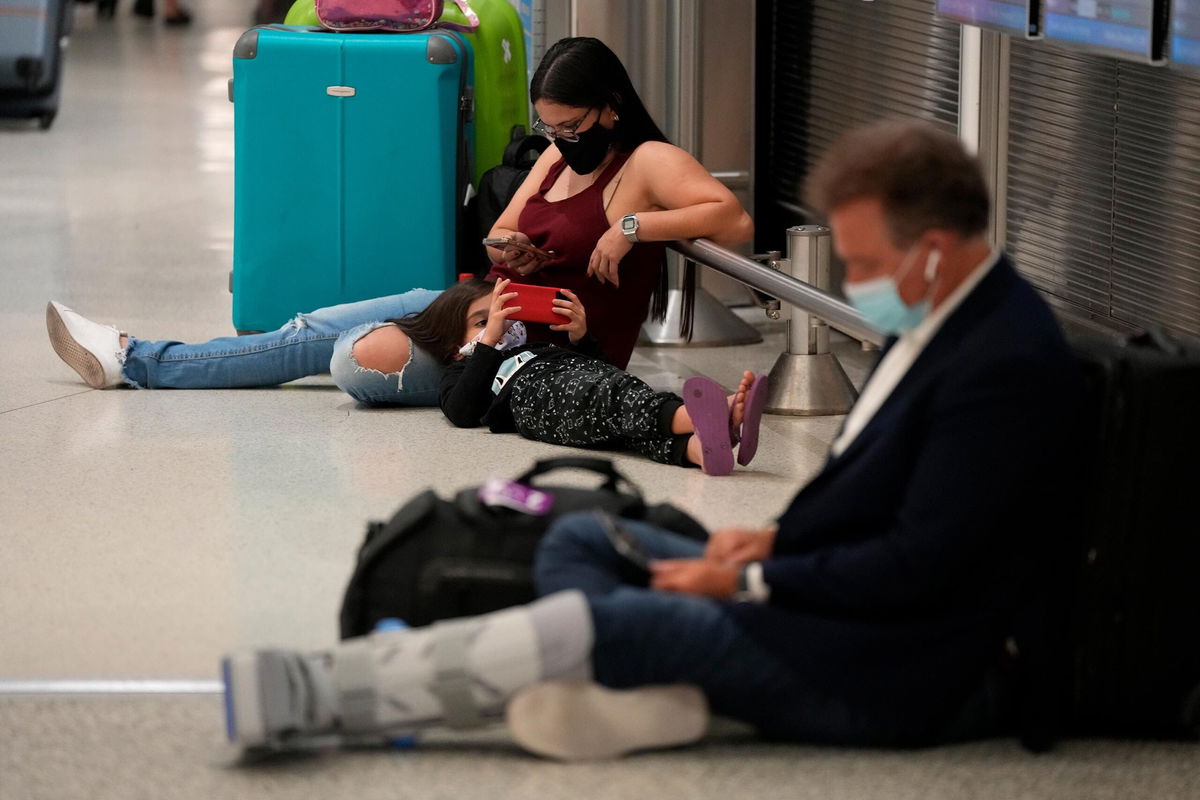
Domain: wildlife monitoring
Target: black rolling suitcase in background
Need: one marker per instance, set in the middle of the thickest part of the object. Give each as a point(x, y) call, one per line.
point(1136, 610)
point(31, 36)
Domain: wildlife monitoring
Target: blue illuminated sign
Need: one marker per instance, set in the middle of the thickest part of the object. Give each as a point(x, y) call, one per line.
point(1014, 17)
point(1185, 32)
point(1134, 29)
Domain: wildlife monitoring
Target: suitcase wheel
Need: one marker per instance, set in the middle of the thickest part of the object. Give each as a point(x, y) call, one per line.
point(46, 120)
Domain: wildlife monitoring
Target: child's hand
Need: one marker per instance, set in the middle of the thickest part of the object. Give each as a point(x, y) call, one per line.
point(498, 314)
point(572, 309)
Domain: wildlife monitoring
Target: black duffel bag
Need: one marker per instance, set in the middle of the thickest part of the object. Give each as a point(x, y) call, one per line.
point(439, 559)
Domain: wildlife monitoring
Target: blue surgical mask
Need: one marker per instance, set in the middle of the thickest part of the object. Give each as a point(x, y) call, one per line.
point(879, 301)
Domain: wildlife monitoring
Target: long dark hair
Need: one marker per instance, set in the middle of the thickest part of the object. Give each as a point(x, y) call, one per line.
point(582, 72)
point(439, 328)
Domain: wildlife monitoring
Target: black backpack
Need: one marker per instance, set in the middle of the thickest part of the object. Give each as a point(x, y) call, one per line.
point(497, 186)
point(439, 559)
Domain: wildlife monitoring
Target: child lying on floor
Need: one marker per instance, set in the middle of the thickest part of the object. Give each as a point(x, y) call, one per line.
point(573, 397)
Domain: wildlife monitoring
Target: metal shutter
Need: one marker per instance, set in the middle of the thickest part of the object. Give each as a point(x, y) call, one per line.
point(1104, 186)
point(832, 65)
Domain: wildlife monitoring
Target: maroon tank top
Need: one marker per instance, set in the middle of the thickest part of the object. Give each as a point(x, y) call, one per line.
point(571, 227)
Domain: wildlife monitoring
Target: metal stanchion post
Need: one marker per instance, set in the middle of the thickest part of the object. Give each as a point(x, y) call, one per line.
point(808, 380)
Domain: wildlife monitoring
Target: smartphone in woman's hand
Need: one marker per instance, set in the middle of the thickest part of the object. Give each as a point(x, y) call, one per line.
point(507, 243)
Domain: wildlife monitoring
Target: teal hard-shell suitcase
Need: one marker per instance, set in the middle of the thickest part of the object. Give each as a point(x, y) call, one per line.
point(352, 156)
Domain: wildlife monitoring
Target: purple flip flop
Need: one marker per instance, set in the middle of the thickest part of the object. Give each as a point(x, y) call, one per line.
point(756, 400)
point(708, 408)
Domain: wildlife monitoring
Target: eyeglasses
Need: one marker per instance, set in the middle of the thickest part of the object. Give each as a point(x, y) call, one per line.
point(565, 132)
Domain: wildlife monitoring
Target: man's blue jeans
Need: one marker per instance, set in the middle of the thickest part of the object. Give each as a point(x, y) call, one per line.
point(309, 344)
point(645, 637)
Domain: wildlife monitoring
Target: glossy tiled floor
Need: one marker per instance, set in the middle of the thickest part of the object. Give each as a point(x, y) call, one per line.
point(144, 533)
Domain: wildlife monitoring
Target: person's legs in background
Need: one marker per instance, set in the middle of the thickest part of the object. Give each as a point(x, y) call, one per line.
point(174, 12)
point(301, 347)
point(391, 372)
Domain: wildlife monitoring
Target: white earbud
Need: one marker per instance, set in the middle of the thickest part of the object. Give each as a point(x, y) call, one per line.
point(931, 265)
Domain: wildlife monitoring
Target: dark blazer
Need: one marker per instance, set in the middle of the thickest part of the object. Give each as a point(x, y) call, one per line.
point(897, 571)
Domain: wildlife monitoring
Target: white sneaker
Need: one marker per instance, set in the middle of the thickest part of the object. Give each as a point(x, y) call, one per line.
point(91, 349)
point(583, 721)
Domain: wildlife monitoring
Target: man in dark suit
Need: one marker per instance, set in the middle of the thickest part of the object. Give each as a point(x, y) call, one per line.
point(879, 606)
point(885, 595)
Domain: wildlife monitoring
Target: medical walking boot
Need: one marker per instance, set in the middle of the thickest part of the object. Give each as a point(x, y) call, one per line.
point(458, 673)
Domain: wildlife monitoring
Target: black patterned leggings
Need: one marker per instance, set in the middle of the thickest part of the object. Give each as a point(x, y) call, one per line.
point(585, 402)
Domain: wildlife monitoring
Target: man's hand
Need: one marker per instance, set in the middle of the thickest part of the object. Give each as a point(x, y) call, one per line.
point(740, 546)
point(694, 576)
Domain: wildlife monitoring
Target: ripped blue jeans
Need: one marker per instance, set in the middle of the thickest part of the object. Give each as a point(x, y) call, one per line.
point(308, 344)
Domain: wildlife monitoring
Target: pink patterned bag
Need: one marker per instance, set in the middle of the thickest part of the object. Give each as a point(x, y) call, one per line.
point(390, 15)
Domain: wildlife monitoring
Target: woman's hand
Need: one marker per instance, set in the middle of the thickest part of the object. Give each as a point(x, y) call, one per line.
point(520, 261)
point(572, 309)
point(740, 545)
point(609, 251)
point(694, 576)
point(498, 314)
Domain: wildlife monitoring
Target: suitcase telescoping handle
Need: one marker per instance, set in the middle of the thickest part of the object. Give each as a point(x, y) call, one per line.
point(601, 466)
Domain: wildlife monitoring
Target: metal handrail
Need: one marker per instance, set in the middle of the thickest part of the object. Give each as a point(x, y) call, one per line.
point(835, 312)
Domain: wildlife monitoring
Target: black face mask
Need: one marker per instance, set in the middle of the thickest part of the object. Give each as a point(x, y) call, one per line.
point(585, 155)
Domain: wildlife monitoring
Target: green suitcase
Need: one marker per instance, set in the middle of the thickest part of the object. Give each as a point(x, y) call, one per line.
point(501, 90)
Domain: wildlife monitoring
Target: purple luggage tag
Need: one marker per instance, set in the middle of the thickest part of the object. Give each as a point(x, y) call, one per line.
point(517, 496)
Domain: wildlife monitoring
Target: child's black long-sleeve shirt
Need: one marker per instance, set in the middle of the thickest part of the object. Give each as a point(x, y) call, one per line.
point(465, 393)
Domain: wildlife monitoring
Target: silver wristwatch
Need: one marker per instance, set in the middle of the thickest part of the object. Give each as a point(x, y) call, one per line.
point(751, 588)
point(743, 594)
point(629, 227)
